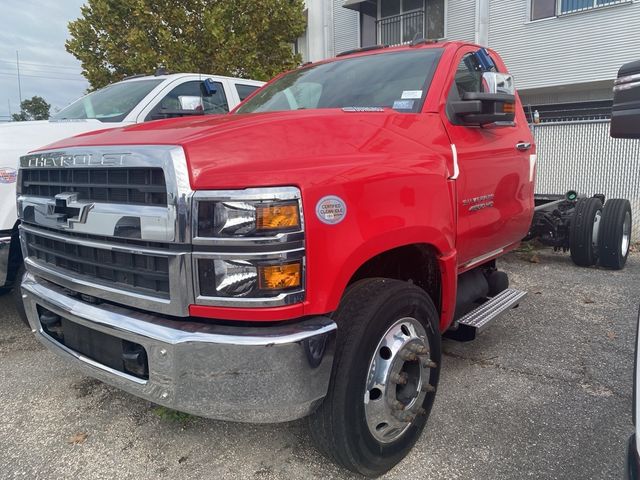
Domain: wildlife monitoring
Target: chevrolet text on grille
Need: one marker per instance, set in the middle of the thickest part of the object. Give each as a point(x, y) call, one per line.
point(75, 160)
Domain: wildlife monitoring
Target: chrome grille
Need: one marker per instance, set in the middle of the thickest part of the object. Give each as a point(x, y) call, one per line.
point(111, 223)
point(133, 186)
point(143, 273)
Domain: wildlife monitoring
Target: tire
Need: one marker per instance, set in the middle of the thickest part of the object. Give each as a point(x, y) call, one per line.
point(582, 241)
point(368, 316)
point(17, 296)
point(614, 239)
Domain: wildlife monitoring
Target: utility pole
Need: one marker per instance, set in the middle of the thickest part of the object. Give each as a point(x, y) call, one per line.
point(19, 84)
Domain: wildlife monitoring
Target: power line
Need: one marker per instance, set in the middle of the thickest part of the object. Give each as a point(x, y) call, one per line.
point(38, 64)
point(47, 77)
point(3, 69)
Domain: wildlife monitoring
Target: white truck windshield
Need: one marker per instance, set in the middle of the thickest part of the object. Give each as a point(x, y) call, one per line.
point(397, 80)
point(109, 104)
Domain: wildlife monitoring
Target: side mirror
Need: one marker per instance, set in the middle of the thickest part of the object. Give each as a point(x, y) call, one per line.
point(496, 103)
point(625, 115)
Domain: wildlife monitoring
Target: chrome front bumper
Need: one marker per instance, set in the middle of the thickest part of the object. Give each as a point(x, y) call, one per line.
point(246, 374)
point(5, 248)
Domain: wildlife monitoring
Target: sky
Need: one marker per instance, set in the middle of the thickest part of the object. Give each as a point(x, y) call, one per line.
point(37, 29)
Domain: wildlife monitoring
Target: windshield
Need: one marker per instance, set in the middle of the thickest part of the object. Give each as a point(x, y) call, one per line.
point(109, 104)
point(397, 80)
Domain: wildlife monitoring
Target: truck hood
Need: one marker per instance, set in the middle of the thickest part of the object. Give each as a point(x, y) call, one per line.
point(266, 149)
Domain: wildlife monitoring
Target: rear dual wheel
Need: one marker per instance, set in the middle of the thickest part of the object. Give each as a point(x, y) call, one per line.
point(384, 377)
point(601, 234)
point(614, 241)
point(583, 233)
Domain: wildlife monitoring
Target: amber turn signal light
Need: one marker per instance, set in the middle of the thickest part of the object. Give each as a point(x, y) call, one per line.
point(509, 108)
point(280, 277)
point(277, 216)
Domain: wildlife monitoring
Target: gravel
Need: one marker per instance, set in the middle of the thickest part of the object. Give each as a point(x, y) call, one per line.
point(545, 392)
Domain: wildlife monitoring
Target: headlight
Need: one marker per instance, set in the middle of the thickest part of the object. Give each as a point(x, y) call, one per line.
point(249, 247)
point(241, 219)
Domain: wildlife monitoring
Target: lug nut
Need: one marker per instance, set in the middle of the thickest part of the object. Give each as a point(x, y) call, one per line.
point(400, 379)
point(420, 411)
point(427, 388)
point(429, 364)
point(396, 405)
point(407, 417)
point(408, 356)
point(418, 349)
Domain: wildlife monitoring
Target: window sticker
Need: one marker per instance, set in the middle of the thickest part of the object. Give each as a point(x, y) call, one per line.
point(403, 105)
point(411, 94)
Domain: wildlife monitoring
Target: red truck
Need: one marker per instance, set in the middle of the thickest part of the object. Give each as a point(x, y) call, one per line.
point(302, 255)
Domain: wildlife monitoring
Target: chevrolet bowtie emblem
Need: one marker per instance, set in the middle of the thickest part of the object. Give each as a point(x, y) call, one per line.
point(67, 210)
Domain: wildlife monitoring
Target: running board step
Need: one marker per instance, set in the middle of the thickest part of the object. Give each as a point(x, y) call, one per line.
point(478, 319)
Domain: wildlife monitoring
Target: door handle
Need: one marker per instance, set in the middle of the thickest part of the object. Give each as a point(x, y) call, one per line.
point(523, 146)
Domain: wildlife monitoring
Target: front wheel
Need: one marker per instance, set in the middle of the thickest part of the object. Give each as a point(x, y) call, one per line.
point(384, 377)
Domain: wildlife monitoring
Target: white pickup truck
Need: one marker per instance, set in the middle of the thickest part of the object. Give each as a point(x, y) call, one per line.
point(134, 100)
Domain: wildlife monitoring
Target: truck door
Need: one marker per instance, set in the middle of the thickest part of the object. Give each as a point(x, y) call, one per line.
point(174, 100)
point(496, 171)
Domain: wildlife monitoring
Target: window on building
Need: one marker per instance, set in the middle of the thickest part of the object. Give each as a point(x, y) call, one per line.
point(400, 21)
point(543, 9)
point(213, 103)
point(569, 6)
point(550, 8)
point(245, 90)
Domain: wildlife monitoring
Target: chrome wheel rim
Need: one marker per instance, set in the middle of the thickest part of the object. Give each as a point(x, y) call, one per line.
point(596, 229)
point(398, 380)
point(626, 234)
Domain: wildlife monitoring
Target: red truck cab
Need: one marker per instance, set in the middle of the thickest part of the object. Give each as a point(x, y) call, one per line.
point(299, 256)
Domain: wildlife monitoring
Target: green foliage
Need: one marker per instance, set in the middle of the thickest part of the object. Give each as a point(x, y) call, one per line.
point(172, 415)
point(243, 38)
point(34, 108)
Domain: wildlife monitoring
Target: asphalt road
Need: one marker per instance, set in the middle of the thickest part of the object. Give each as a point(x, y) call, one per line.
point(544, 393)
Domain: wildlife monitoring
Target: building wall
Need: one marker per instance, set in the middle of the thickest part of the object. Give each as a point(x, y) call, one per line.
point(593, 91)
point(461, 20)
point(572, 49)
point(346, 28)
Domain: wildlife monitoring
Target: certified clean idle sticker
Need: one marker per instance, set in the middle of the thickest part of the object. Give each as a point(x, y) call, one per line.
point(8, 175)
point(331, 210)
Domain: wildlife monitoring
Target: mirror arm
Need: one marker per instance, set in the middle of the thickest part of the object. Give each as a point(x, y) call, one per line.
point(489, 97)
point(464, 107)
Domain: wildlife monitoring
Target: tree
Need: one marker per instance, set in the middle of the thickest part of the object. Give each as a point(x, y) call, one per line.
point(34, 108)
point(243, 38)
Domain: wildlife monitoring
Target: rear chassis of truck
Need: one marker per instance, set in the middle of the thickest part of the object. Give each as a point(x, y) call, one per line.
point(595, 231)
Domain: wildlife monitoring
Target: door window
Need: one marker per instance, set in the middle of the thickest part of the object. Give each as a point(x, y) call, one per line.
point(468, 76)
point(245, 90)
point(210, 103)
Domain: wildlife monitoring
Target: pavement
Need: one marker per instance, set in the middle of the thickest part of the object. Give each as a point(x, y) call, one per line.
point(544, 393)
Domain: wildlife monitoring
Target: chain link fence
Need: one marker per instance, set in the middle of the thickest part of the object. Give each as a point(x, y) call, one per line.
point(582, 156)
